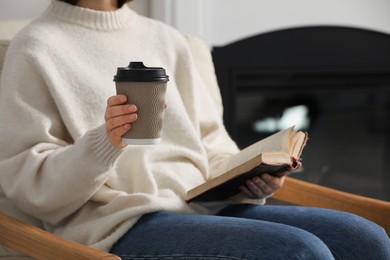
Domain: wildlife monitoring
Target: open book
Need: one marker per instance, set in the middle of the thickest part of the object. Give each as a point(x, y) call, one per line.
point(276, 154)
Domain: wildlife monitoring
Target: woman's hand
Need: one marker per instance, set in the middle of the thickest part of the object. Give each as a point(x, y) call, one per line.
point(264, 185)
point(119, 117)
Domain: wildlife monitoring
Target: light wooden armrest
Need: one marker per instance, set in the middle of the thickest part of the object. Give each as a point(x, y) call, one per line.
point(307, 194)
point(39, 244)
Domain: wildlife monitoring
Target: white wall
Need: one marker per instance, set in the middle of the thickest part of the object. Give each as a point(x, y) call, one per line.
point(21, 9)
point(222, 21)
point(233, 19)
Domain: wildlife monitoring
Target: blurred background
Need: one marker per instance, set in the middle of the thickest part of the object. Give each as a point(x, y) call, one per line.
point(322, 65)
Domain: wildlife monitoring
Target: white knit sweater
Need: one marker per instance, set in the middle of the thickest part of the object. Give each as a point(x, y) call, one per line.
point(56, 161)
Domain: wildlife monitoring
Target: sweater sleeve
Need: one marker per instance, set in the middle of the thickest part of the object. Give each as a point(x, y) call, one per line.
point(46, 173)
point(218, 144)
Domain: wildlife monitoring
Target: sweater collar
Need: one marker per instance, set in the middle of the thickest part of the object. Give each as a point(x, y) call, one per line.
point(99, 20)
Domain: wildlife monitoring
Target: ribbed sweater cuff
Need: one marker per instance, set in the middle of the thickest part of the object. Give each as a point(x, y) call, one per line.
point(101, 146)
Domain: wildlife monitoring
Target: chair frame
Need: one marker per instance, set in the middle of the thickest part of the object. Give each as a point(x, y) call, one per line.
point(39, 244)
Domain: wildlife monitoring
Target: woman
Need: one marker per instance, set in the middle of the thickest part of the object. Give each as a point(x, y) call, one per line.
point(70, 169)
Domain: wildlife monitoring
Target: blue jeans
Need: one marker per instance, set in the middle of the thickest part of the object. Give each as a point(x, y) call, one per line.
point(255, 232)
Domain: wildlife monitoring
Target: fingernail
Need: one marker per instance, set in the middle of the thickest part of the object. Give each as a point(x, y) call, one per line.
point(133, 108)
point(122, 98)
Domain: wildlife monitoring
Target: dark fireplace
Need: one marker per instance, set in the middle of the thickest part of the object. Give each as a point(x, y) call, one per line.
point(333, 82)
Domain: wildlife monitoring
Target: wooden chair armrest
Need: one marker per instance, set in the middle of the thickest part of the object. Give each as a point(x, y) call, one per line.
point(307, 194)
point(39, 244)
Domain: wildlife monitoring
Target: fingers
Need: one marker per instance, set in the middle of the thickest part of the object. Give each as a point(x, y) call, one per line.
point(114, 107)
point(299, 166)
point(262, 186)
point(296, 167)
point(116, 100)
point(118, 117)
point(116, 134)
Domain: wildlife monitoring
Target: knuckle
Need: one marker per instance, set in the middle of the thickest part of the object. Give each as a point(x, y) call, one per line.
point(117, 132)
point(276, 186)
point(114, 132)
point(108, 113)
point(110, 101)
point(266, 189)
point(110, 124)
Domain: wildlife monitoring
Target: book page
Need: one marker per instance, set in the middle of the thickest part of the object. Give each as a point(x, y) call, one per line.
point(298, 142)
point(277, 143)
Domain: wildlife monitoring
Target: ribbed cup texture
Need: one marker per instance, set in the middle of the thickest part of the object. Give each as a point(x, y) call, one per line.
point(149, 97)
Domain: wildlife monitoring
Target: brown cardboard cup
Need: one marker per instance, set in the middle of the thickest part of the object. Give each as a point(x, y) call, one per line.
point(144, 87)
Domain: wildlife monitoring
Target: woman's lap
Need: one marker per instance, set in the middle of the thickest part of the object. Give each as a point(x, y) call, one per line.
point(348, 236)
point(240, 232)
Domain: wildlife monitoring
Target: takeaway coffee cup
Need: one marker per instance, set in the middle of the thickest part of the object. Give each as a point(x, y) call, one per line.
point(145, 87)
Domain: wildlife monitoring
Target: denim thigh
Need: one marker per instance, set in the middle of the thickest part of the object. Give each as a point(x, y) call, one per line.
point(168, 235)
point(348, 236)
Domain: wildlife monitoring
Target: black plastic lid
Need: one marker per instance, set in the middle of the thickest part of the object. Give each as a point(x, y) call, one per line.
point(137, 71)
